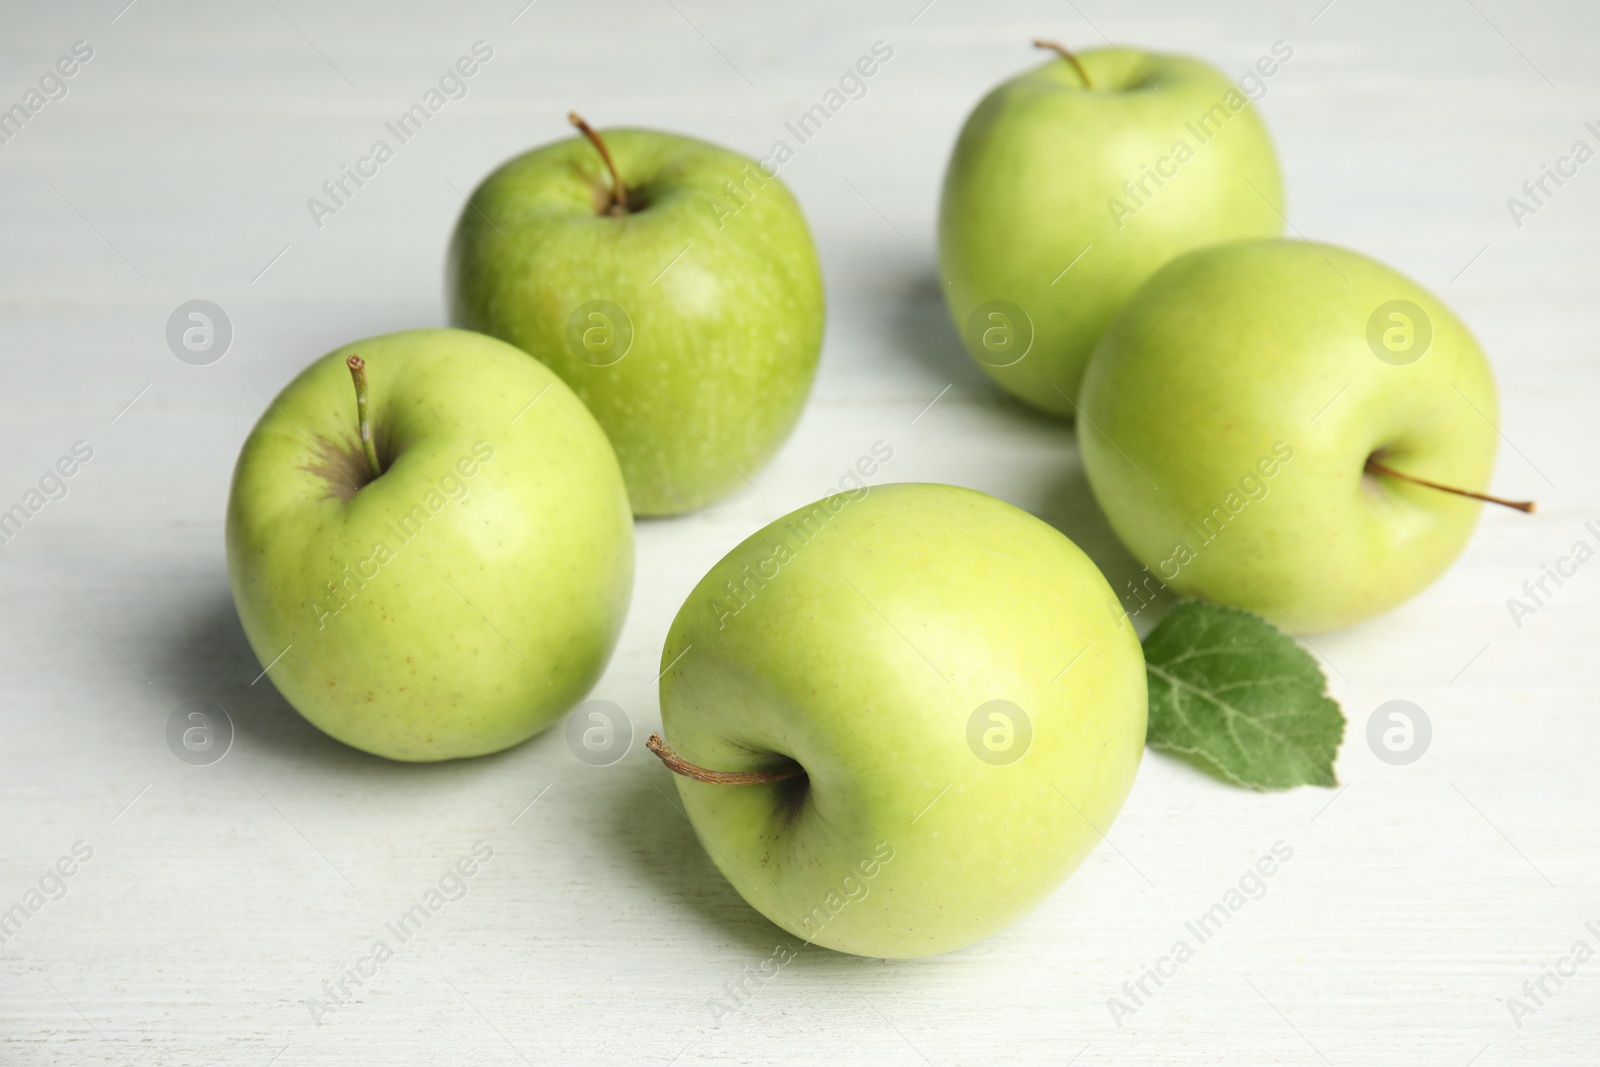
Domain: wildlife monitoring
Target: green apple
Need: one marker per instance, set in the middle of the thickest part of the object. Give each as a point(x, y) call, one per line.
point(953, 683)
point(689, 320)
point(465, 597)
point(1061, 198)
point(1231, 413)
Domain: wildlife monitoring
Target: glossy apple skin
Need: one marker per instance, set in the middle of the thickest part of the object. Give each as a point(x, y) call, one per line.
point(495, 607)
point(725, 339)
point(1030, 186)
point(1231, 350)
point(823, 663)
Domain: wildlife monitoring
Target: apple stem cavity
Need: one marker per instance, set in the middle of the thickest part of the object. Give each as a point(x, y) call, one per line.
point(678, 765)
point(358, 372)
point(618, 204)
point(1066, 55)
point(1374, 467)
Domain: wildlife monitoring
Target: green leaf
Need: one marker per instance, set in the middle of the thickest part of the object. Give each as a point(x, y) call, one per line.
point(1231, 690)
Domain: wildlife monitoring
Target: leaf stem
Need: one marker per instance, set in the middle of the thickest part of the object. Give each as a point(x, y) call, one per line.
point(1066, 55)
point(619, 192)
point(1374, 467)
point(358, 372)
point(678, 765)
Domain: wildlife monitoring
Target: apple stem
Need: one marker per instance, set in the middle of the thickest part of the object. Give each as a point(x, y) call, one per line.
point(1066, 55)
point(619, 194)
point(678, 765)
point(1374, 467)
point(358, 372)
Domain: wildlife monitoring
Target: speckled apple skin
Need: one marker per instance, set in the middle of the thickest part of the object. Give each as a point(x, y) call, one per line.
point(1229, 413)
point(861, 650)
point(1046, 176)
point(469, 596)
point(716, 277)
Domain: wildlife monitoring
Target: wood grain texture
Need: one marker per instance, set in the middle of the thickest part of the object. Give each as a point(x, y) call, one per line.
point(219, 899)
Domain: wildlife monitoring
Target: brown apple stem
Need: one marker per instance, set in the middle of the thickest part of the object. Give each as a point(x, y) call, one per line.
point(1066, 55)
point(619, 192)
point(1378, 468)
point(678, 765)
point(358, 371)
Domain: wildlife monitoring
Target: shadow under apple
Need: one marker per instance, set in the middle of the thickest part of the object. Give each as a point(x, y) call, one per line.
point(1070, 506)
point(921, 327)
point(650, 834)
point(917, 327)
point(654, 837)
point(210, 658)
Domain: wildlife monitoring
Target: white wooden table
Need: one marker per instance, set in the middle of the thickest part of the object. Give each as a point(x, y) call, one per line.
point(217, 900)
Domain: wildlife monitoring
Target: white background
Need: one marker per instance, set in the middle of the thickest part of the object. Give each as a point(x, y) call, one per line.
point(219, 898)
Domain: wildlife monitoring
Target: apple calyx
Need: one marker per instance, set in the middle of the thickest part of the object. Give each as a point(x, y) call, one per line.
point(358, 372)
point(678, 765)
point(1039, 42)
point(618, 202)
point(1374, 467)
